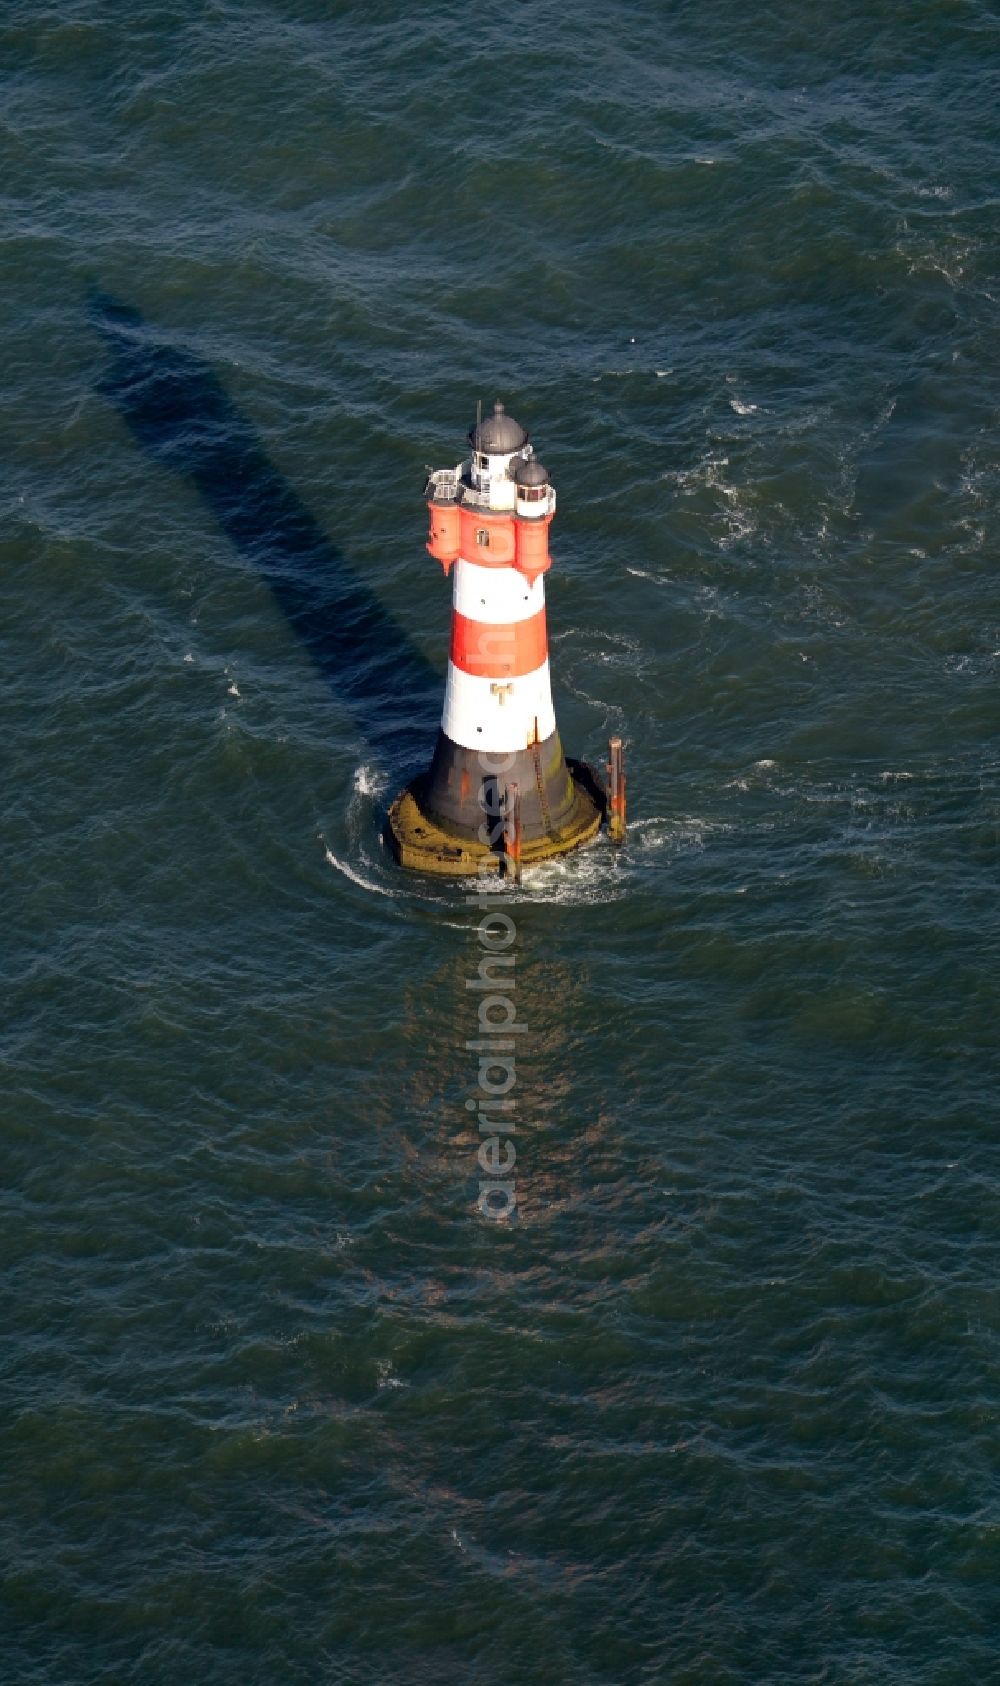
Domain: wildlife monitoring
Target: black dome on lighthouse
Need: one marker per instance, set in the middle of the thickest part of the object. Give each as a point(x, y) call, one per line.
point(531, 473)
point(498, 434)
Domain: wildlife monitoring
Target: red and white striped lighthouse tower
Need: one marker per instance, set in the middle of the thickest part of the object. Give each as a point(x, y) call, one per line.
point(489, 528)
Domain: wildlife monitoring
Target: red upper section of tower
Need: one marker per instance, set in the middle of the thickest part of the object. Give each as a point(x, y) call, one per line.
point(493, 538)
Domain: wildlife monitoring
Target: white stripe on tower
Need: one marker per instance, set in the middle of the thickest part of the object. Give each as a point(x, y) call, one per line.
point(498, 715)
point(495, 594)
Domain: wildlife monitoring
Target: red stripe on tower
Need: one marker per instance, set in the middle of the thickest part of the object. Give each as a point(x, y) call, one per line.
point(499, 650)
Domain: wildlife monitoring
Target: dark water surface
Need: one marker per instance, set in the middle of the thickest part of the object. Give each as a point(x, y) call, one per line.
point(279, 1406)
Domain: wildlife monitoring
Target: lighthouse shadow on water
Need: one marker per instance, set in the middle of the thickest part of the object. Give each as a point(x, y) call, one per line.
point(178, 410)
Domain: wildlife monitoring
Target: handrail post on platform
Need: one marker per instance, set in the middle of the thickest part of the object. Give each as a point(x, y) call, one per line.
point(616, 790)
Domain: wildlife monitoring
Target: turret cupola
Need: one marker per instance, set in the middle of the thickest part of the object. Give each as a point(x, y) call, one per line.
point(531, 482)
point(498, 435)
point(494, 443)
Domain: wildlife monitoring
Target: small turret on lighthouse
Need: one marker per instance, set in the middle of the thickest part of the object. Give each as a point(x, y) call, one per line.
point(489, 528)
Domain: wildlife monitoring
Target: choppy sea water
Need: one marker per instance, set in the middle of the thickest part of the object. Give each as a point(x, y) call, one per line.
point(722, 1404)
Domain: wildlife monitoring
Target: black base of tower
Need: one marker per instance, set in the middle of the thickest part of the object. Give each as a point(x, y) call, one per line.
point(449, 820)
point(462, 786)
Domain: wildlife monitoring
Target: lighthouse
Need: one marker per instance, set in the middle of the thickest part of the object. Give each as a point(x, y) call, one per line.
point(498, 768)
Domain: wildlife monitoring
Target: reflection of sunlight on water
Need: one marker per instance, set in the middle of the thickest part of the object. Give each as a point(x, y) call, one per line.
point(734, 518)
point(658, 836)
point(641, 574)
point(583, 652)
